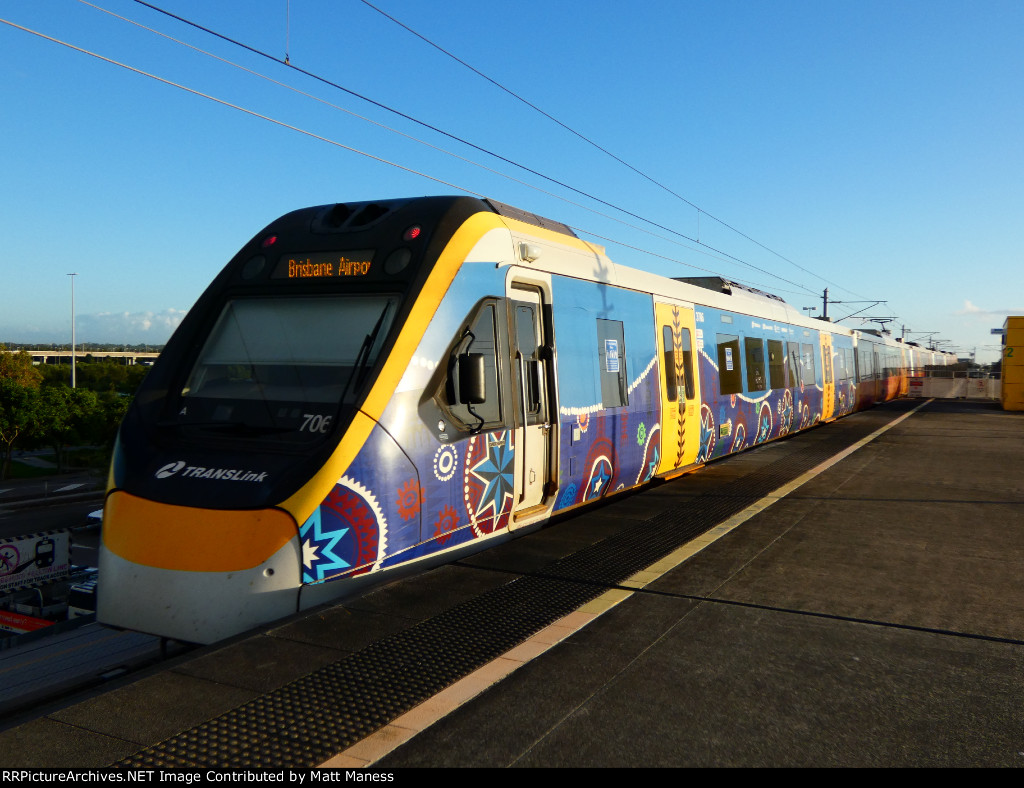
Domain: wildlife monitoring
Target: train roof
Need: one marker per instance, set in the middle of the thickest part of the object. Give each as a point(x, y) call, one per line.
point(711, 291)
point(722, 285)
point(556, 249)
point(578, 258)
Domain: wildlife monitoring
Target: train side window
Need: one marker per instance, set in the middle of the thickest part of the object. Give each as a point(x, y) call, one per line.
point(478, 343)
point(754, 348)
point(776, 364)
point(671, 380)
point(730, 369)
point(793, 370)
point(691, 389)
point(864, 354)
point(839, 365)
point(807, 373)
point(611, 353)
point(674, 367)
point(526, 342)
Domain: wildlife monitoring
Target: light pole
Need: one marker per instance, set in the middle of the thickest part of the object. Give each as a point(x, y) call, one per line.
point(72, 329)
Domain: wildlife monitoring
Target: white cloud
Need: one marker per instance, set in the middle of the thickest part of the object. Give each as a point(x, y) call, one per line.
point(976, 311)
point(969, 309)
point(129, 327)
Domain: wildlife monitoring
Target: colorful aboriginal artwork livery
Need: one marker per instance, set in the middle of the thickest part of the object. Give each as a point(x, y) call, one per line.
point(486, 370)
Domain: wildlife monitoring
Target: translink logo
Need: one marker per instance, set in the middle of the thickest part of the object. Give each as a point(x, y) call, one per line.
point(199, 472)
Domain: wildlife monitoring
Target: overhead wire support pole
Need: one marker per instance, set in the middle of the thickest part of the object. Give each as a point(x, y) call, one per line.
point(73, 329)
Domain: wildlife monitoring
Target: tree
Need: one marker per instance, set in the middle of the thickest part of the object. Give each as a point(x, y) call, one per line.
point(63, 418)
point(54, 415)
point(19, 406)
point(19, 368)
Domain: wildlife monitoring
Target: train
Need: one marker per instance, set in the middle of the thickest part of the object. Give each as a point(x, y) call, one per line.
point(374, 388)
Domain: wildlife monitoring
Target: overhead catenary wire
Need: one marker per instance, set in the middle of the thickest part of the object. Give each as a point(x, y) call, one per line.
point(305, 132)
point(704, 251)
point(424, 124)
point(599, 147)
point(704, 248)
point(237, 107)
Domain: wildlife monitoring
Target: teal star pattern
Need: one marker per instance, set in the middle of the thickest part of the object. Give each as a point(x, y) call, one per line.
point(318, 557)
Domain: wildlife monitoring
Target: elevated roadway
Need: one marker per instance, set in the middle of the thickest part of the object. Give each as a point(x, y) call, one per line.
point(64, 356)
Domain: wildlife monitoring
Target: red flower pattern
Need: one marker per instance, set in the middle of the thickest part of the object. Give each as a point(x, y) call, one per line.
point(447, 522)
point(410, 497)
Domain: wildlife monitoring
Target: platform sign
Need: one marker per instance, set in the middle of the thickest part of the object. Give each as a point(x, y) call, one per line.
point(16, 622)
point(30, 559)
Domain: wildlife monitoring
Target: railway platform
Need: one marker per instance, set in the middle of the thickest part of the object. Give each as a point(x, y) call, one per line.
point(849, 596)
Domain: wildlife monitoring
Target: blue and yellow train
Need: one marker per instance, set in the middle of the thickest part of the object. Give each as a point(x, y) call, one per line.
point(375, 386)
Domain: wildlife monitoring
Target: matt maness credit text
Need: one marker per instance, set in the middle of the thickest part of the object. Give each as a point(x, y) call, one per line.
point(300, 776)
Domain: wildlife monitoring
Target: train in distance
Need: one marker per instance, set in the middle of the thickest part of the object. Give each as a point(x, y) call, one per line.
point(371, 388)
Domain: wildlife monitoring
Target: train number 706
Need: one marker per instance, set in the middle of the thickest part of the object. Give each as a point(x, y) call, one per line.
point(314, 422)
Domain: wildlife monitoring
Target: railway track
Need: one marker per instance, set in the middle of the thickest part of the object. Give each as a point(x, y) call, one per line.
point(52, 668)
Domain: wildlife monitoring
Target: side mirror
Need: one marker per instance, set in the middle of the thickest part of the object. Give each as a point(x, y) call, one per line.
point(472, 390)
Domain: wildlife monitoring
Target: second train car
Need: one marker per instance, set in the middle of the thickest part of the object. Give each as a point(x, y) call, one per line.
point(373, 386)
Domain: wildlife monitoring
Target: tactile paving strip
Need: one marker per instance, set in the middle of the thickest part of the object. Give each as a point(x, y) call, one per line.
point(309, 720)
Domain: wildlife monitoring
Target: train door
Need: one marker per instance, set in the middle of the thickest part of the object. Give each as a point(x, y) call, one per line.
point(531, 376)
point(828, 401)
point(680, 384)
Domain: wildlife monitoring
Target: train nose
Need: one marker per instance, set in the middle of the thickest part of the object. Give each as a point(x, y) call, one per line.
point(198, 575)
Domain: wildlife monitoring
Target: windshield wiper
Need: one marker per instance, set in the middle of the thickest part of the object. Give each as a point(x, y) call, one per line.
point(363, 356)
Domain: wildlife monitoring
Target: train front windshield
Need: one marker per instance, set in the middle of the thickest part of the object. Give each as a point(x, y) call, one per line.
point(284, 366)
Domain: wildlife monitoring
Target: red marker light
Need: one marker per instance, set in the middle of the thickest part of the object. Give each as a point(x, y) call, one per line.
point(270, 240)
point(412, 233)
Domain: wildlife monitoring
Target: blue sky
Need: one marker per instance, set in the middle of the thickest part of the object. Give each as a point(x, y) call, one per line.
point(873, 147)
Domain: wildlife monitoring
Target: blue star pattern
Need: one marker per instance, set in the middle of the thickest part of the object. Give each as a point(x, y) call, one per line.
point(318, 557)
point(496, 470)
point(764, 424)
point(652, 456)
point(600, 477)
point(739, 440)
point(652, 466)
point(707, 434)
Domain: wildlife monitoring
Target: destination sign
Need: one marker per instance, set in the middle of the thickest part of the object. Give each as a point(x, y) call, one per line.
point(324, 265)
